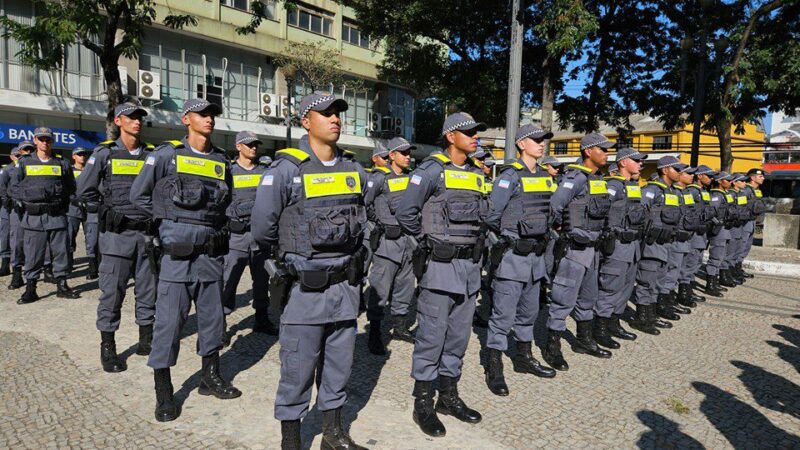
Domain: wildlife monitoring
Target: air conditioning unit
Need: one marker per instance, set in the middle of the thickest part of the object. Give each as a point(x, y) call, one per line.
point(375, 124)
point(387, 123)
point(398, 126)
point(123, 78)
point(268, 105)
point(148, 85)
point(286, 102)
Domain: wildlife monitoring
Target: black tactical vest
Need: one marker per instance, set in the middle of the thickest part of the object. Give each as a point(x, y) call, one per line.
point(245, 186)
point(121, 169)
point(626, 213)
point(528, 211)
point(394, 186)
point(589, 210)
point(724, 211)
point(691, 212)
point(665, 213)
point(43, 182)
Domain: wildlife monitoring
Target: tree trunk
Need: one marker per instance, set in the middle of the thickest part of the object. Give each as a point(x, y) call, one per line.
point(548, 99)
point(114, 92)
point(723, 127)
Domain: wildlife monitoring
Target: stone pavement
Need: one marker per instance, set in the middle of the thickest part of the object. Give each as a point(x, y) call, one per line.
point(727, 376)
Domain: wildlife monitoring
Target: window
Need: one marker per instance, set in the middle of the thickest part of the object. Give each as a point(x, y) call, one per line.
point(311, 19)
point(624, 142)
point(401, 111)
point(244, 5)
point(213, 90)
point(356, 118)
point(352, 35)
point(662, 142)
point(559, 148)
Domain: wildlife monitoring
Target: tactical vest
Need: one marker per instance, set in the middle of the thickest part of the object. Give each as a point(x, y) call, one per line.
point(488, 185)
point(691, 211)
point(245, 186)
point(385, 205)
point(121, 169)
point(589, 210)
point(667, 213)
point(194, 190)
point(328, 218)
point(627, 213)
point(528, 212)
point(756, 201)
point(723, 212)
point(43, 182)
point(740, 206)
point(707, 212)
point(76, 173)
point(454, 214)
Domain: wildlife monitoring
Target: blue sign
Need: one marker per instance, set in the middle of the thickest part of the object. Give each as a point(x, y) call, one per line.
point(64, 138)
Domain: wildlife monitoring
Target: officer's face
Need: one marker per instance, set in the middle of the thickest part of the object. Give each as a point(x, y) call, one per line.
point(479, 163)
point(725, 184)
point(248, 151)
point(130, 124)
point(704, 179)
point(325, 126)
point(487, 170)
point(466, 140)
point(532, 147)
point(738, 184)
point(378, 161)
point(199, 122)
point(43, 143)
point(401, 159)
point(598, 156)
point(633, 167)
point(757, 179)
point(79, 158)
point(685, 178)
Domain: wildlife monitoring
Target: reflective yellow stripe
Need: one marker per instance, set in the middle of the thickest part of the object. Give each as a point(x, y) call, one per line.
point(441, 157)
point(517, 165)
point(126, 166)
point(758, 193)
point(299, 154)
point(43, 171)
point(741, 200)
point(633, 191)
point(176, 143)
point(688, 199)
point(597, 187)
point(729, 198)
point(76, 173)
point(397, 184)
point(579, 167)
point(246, 181)
point(383, 169)
point(338, 183)
point(463, 180)
point(706, 196)
point(671, 200)
point(487, 187)
point(658, 183)
point(201, 167)
point(537, 184)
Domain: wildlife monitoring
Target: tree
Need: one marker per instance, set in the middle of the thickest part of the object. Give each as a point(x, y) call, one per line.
point(109, 28)
point(318, 64)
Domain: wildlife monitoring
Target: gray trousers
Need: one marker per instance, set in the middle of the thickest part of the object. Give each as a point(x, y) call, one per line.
point(90, 234)
point(668, 280)
point(717, 249)
point(5, 237)
point(16, 240)
point(235, 262)
point(172, 309)
point(613, 281)
point(389, 280)
point(691, 264)
point(515, 306)
point(35, 247)
point(305, 349)
point(574, 292)
point(114, 272)
point(444, 325)
point(734, 247)
point(747, 241)
point(647, 271)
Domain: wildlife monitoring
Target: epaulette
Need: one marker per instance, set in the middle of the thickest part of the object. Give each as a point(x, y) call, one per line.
point(438, 157)
point(368, 169)
point(348, 155)
point(659, 184)
point(381, 169)
point(580, 167)
point(296, 156)
point(614, 177)
point(694, 186)
point(173, 143)
point(149, 146)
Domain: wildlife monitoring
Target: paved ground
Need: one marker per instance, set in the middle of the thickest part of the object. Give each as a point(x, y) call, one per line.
point(727, 375)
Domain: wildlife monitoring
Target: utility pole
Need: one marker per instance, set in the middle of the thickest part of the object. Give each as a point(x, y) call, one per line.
point(514, 81)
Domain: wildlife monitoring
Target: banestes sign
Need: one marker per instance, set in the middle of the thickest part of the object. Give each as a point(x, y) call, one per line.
point(64, 138)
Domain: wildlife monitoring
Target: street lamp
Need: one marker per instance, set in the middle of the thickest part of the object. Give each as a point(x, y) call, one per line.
point(289, 72)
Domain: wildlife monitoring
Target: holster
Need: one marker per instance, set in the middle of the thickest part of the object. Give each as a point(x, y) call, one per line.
point(375, 237)
point(419, 259)
point(355, 270)
point(153, 251)
point(497, 251)
point(238, 227)
point(607, 243)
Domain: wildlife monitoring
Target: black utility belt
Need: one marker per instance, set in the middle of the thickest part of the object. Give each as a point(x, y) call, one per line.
point(524, 247)
point(575, 245)
point(217, 245)
point(628, 236)
point(93, 208)
point(319, 280)
point(448, 252)
point(682, 235)
point(38, 209)
point(392, 232)
point(238, 227)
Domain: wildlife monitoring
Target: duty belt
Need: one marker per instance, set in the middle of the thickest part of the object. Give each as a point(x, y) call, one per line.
point(448, 252)
point(37, 209)
point(682, 235)
point(524, 247)
point(628, 236)
point(238, 227)
point(573, 244)
point(392, 232)
point(215, 246)
point(317, 280)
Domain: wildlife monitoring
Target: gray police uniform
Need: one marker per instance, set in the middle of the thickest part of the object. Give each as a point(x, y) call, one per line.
point(580, 206)
point(694, 258)
point(677, 250)
point(44, 188)
point(5, 213)
point(391, 276)
point(444, 208)
point(16, 242)
point(314, 213)
point(520, 212)
point(719, 237)
point(756, 206)
point(77, 215)
point(627, 218)
point(738, 216)
point(664, 213)
point(188, 192)
point(243, 250)
point(105, 185)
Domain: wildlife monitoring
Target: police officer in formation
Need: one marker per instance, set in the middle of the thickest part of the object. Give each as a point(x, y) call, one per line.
point(520, 214)
point(745, 223)
point(694, 215)
point(244, 251)
point(443, 210)
point(41, 187)
point(311, 215)
point(719, 276)
point(10, 244)
point(104, 186)
point(684, 229)
point(391, 277)
point(83, 214)
point(757, 208)
point(185, 187)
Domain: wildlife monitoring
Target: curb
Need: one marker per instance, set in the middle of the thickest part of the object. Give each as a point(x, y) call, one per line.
point(773, 268)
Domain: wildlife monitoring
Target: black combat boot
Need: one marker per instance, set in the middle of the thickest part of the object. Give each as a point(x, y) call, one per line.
point(552, 351)
point(450, 403)
point(16, 278)
point(672, 301)
point(290, 435)
point(738, 279)
point(424, 413)
point(400, 330)
point(585, 341)
point(30, 294)
point(615, 329)
point(684, 296)
point(5, 267)
point(695, 298)
point(653, 316)
point(524, 362)
point(262, 324)
point(664, 309)
point(743, 273)
point(641, 321)
point(166, 408)
point(712, 286)
point(479, 321)
point(375, 341)
point(63, 290)
point(601, 334)
point(48, 274)
point(108, 354)
point(145, 340)
point(494, 372)
point(92, 273)
point(211, 383)
point(334, 436)
point(725, 278)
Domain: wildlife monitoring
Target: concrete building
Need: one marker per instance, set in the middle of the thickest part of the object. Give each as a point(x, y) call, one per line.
point(209, 60)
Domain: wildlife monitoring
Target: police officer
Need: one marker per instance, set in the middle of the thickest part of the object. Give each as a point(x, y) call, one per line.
point(757, 208)
point(696, 198)
point(244, 251)
point(185, 186)
point(739, 216)
point(627, 219)
point(747, 221)
point(691, 221)
point(443, 209)
point(78, 214)
point(43, 185)
point(720, 235)
point(553, 166)
point(104, 186)
point(486, 162)
point(391, 276)
point(613, 170)
point(580, 208)
point(310, 207)
point(705, 178)
point(5, 213)
point(520, 213)
point(15, 239)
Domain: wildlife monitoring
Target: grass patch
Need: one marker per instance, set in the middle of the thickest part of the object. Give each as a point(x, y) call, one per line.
point(676, 405)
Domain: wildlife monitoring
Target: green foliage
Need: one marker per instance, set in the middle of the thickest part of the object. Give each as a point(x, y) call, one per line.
point(259, 12)
point(318, 64)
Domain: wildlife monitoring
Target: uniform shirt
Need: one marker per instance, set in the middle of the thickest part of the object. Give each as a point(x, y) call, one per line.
point(653, 195)
point(574, 184)
point(44, 221)
point(627, 252)
point(394, 250)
